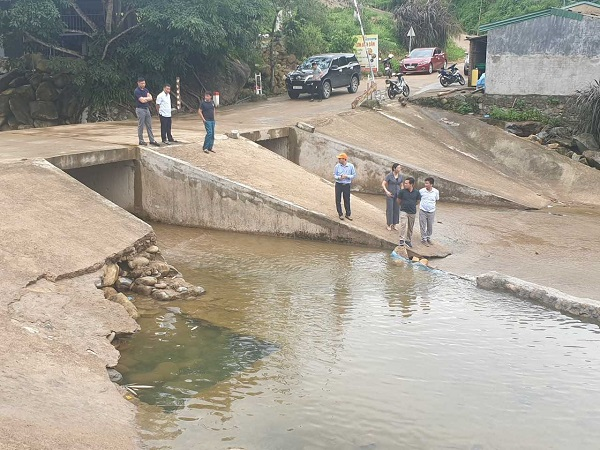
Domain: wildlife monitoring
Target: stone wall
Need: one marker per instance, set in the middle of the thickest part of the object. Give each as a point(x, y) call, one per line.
point(549, 55)
point(34, 97)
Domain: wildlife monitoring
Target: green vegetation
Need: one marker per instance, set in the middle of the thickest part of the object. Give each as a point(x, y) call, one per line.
point(137, 37)
point(454, 52)
point(520, 113)
point(467, 11)
point(431, 20)
point(588, 105)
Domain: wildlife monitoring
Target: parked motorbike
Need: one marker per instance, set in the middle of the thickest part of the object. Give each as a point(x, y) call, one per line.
point(398, 86)
point(451, 75)
point(387, 66)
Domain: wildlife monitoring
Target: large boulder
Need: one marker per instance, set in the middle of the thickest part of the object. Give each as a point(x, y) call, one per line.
point(45, 123)
point(4, 105)
point(593, 158)
point(26, 92)
point(43, 110)
point(12, 122)
point(46, 92)
point(35, 79)
point(227, 80)
point(585, 142)
point(19, 81)
point(8, 77)
point(524, 129)
point(19, 106)
point(62, 80)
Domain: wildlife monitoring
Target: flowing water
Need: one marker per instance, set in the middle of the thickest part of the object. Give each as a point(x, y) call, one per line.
point(306, 345)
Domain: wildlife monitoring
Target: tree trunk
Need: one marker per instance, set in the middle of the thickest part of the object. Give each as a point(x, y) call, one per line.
point(272, 60)
point(109, 15)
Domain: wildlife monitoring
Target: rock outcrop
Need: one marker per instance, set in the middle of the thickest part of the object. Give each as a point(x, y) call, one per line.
point(33, 97)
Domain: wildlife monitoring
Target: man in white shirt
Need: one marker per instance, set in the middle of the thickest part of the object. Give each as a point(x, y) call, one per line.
point(429, 197)
point(163, 105)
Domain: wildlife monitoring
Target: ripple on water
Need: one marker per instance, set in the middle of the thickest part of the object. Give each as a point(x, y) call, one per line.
point(371, 354)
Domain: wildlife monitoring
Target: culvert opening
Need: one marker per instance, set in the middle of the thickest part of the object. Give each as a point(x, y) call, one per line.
point(116, 181)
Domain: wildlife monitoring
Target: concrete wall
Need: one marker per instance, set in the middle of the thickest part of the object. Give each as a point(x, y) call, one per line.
point(114, 181)
point(548, 55)
point(316, 153)
point(175, 192)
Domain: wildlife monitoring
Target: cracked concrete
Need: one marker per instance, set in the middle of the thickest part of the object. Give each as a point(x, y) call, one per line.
point(54, 390)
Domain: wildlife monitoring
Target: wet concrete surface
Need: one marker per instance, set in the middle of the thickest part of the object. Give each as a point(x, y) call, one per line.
point(556, 247)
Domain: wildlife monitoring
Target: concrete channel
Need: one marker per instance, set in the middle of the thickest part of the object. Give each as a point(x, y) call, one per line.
point(315, 151)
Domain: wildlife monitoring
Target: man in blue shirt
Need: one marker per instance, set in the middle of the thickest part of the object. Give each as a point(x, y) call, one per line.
point(343, 174)
point(142, 98)
point(207, 113)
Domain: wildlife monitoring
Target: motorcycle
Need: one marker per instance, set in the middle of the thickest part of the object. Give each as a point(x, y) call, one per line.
point(451, 75)
point(387, 66)
point(398, 86)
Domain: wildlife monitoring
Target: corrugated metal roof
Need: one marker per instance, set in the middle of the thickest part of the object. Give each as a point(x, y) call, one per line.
point(579, 4)
point(560, 12)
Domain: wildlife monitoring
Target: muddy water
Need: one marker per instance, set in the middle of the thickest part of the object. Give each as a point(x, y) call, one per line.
point(346, 349)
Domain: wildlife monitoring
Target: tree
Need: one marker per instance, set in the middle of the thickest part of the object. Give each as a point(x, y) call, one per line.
point(126, 38)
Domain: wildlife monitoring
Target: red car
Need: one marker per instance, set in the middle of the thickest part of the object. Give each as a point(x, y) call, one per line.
point(424, 60)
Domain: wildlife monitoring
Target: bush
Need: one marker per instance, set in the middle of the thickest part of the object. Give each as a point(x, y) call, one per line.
point(587, 103)
point(454, 52)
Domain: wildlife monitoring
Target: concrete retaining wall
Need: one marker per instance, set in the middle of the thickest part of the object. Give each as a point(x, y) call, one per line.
point(178, 193)
point(583, 307)
point(317, 153)
point(548, 55)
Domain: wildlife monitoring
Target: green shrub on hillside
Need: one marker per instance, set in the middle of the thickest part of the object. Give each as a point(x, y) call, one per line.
point(467, 11)
point(453, 52)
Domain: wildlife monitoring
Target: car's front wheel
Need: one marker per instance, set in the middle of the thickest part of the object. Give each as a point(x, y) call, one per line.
point(430, 68)
point(353, 85)
point(293, 94)
point(326, 90)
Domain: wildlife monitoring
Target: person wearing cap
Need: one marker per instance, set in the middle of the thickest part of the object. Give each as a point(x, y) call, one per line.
point(343, 173)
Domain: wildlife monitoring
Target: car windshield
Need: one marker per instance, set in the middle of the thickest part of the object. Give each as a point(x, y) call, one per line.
point(421, 53)
point(323, 63)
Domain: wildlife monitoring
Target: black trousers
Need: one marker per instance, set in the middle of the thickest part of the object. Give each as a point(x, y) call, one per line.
point(316, 90)
point(342, 190)
point(165, 129)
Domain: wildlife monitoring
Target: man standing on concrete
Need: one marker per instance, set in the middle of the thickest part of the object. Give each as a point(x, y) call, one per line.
point(163, 106)
point(142, 98)
point(429, 197)
point(343, 173)
point(317, 73)
point(392, 183)
point(207, 113)
point(407, 198)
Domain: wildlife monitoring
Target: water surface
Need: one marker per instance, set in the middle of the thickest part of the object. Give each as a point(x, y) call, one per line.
point(351, 350)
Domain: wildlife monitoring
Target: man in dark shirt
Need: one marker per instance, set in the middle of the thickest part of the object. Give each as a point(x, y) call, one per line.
point(207, 113)
point(407, 198)
point(142, 98)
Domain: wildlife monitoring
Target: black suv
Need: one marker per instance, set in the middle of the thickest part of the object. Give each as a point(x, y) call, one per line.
point(338, 70)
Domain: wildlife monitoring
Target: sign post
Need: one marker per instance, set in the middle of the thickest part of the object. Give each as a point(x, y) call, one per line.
point(410, 34)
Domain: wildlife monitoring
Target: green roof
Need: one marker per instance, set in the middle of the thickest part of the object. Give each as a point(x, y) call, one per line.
point(560, 12)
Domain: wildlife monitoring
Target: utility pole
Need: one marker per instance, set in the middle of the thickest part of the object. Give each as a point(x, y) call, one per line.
point(362, 31)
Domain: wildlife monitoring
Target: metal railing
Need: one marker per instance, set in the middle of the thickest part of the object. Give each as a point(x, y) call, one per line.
point(75, 22)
